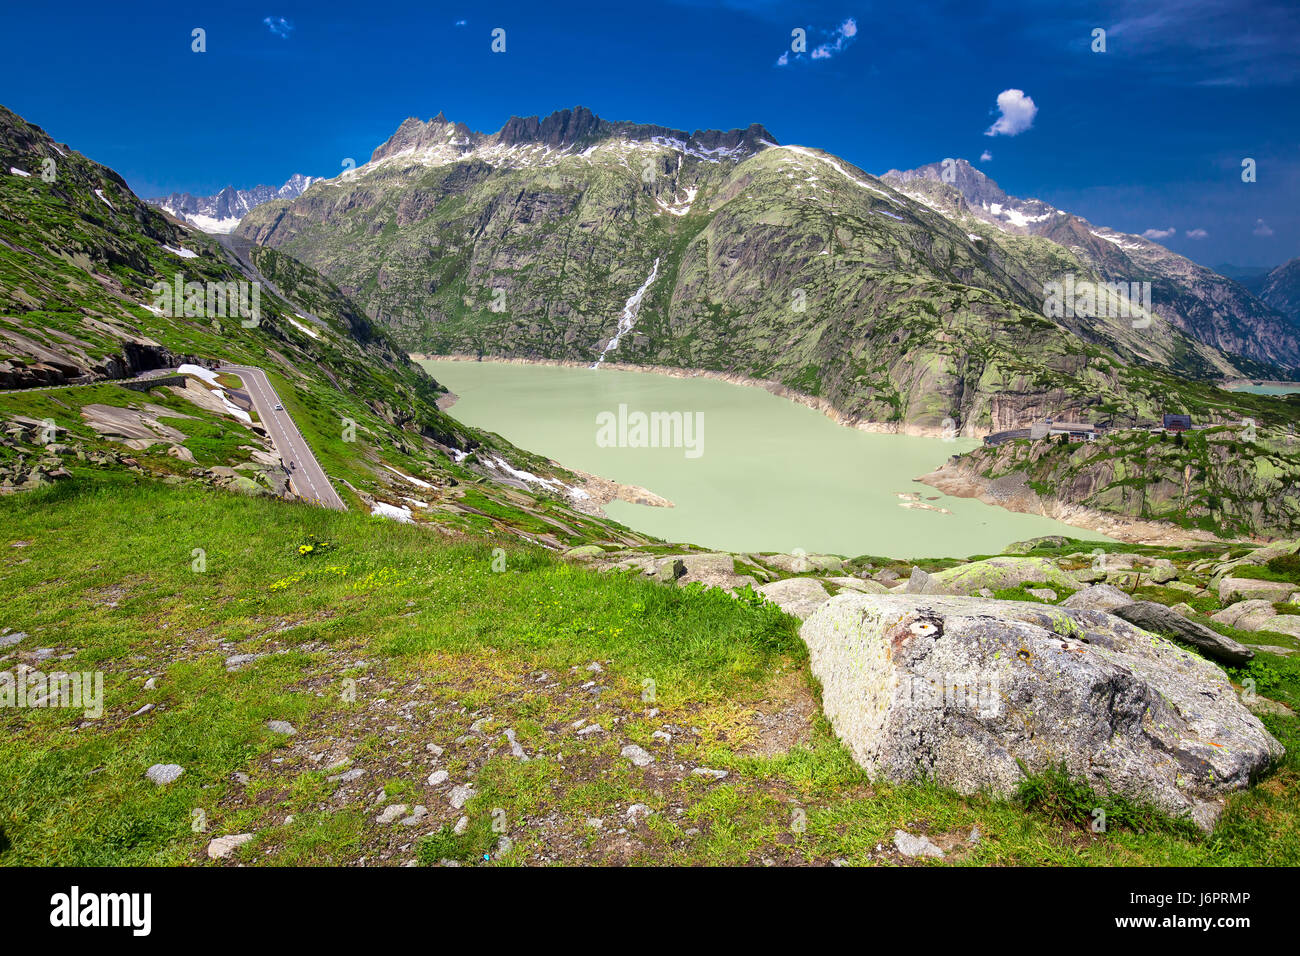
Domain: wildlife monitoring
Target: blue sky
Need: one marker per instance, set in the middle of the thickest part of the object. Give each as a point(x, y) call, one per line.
point(1149, 135)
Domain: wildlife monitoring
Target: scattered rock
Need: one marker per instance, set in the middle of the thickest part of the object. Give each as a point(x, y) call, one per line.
point(910, 845)
point(222, 847)
point(237, 661)
point(917, 583)
point(438, 777)
point(802, 563)
point(1043, 594)
point(1249, 589)
point(461, 795)
point(1099, 597)
point(1163, 571)
point(637, 812)
point(707, 772)
point(1262, 705)
point(281, 727)
point(515, 749)
point(418, 813)
point(1159, 619)
point(164, 773)
point(637, 755)
point(588, 552)
point(865, 585)
point(392, 814)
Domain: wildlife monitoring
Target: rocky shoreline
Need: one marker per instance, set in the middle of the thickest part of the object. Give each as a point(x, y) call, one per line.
point(1012, 493)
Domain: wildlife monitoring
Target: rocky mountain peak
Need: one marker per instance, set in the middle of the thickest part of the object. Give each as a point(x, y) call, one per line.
point(977, 188)
point(438, 133)
point(562, 128)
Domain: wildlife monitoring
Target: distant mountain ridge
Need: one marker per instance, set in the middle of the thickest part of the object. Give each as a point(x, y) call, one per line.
point(221, 213)
point(440, 140)
point(1218, 311)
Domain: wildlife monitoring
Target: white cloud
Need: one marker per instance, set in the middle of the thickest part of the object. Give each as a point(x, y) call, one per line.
point(985, 156)
point(1262, 228)
point(1197, 234)
point(1158, 234)
point(1017, 114)
point(278, 26)
point(838, 41)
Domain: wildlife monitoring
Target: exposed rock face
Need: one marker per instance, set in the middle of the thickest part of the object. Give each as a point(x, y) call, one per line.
point(960, 689)
point(1281, 289)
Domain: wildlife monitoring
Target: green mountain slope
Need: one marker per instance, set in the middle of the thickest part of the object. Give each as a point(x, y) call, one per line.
point(80, 257)
point(1049, 243)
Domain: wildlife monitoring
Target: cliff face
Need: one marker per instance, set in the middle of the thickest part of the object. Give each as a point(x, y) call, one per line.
point(1281, 289)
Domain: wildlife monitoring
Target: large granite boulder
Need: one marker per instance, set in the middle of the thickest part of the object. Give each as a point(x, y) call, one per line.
point(1045, 541)
point(1252, 589)
point(962, 690)
point(797, 596)
point(1258, 616)
point(800, 563)
point(1099, 597)
point(996, 574)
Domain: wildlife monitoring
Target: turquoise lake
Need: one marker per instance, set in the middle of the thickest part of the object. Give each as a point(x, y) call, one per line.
point(765, 474)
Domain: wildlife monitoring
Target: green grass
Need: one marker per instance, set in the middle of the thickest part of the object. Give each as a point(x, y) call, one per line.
point(435, 641)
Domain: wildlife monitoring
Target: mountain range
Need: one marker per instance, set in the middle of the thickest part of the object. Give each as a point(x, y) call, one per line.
point(900, 301)
point(221, 213)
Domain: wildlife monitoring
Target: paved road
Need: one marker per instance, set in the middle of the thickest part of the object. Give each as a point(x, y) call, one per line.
point(306, 476)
